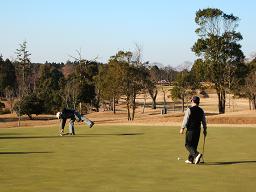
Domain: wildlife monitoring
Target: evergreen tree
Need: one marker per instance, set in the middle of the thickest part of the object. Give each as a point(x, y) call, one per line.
point(7, 76)
point(48, 87)
point(24, 69)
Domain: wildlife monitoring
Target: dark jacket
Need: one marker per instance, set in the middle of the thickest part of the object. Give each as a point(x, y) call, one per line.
point(70, 114)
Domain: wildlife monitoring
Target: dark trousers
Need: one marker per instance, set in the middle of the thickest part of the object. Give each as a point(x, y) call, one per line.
point(191, 143)
point(71, 125)
point(62, 123)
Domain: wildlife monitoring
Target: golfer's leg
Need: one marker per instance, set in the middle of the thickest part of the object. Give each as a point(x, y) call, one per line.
point(62, 125)
point(195, 141)
point(189, 145)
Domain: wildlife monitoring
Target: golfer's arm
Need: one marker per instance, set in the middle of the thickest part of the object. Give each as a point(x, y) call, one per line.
point(185, 119)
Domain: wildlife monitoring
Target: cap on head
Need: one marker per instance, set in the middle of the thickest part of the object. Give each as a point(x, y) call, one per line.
point(195, 99)
point(58, 115)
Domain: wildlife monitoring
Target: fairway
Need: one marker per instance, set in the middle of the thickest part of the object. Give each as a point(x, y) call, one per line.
point(124, 158)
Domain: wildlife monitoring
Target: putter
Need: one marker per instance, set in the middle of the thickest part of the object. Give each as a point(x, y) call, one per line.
point(203, 151)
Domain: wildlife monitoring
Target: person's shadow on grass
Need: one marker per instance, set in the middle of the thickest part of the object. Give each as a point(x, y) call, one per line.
point(228, 162)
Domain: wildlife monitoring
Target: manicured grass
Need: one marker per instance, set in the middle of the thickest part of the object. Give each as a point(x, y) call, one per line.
point(124, 158)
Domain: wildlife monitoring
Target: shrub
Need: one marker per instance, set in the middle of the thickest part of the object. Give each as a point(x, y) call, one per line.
point(29, 105)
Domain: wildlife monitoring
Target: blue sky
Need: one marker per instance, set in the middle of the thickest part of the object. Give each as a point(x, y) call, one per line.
point(164, 29)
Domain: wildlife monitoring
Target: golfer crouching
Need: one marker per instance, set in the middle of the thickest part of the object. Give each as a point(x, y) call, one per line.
point(73, 115)
point(193, 118)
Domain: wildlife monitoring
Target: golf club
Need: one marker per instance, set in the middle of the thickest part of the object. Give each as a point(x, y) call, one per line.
point(203, 151)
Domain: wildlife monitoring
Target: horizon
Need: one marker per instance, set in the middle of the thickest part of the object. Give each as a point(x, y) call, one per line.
point(165, 30)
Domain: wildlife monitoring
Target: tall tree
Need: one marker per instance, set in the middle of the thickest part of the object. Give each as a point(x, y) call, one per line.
point(119, 71)
point(152, 90)
point(103, 82)
point(127, 77)
point(247, 86)
point(154, 74)
point(113, 80)
point(23, 69)
point(81, 83)
point(49, 86)
point(219, 49)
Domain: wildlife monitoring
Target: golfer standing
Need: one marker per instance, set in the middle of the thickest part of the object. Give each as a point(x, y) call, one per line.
point(193, 118)
point(73, 116)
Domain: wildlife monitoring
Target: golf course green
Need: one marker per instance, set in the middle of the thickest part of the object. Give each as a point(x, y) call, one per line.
point(125, 158)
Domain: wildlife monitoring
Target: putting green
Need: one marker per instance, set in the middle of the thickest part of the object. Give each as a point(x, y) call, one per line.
point(124, 158)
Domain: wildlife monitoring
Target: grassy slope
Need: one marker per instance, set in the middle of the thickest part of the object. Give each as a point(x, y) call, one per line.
point(124, 158)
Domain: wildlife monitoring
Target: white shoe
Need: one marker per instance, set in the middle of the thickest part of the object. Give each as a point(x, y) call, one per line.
point(188, 162)
point(61, 133)
point(197, 159)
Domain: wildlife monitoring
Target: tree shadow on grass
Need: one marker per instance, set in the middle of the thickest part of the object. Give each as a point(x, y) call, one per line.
point(227, 163)
point(10, 134)
point(22, 153)
point(112, 134)
point(28, 137)
point(70, 136)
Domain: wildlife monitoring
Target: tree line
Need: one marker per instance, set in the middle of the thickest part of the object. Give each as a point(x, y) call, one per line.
point(33, 88)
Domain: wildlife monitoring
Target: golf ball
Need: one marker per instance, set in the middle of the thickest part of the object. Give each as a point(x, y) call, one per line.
point(178, 158)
